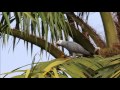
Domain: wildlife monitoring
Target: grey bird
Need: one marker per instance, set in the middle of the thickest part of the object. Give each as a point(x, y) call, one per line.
point(73, 47)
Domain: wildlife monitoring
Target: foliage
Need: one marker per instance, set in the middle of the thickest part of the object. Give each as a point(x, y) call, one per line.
point(37, 27)
point(94, 67)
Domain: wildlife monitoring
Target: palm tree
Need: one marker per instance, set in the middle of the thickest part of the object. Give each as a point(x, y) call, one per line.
point(34, 27)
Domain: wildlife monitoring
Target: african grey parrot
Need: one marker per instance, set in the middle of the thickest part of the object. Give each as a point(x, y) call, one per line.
point(73, 48)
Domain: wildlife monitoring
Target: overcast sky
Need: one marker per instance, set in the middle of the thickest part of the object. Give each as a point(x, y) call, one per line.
point(10, 60)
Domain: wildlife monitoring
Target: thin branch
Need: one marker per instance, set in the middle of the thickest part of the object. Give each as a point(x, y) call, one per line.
point(37, 41)
point(98, 41)
point(81, 39)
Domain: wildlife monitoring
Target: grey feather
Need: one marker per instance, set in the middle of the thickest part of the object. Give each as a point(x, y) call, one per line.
point(73, 47)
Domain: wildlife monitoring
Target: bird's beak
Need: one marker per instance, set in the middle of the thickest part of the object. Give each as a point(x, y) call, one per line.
point(57, 44)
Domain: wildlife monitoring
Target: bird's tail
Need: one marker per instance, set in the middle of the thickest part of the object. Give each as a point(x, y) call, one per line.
point(96, 51)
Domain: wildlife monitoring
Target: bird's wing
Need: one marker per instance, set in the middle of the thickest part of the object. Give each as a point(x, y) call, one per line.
point(74, 47)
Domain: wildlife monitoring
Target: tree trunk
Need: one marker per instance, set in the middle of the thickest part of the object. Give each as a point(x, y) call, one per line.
point(110, 29)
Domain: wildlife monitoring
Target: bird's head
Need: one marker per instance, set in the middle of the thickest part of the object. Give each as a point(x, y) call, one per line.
point(59, 42)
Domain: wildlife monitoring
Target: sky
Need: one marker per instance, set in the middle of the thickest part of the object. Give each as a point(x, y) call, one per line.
point(10, 60)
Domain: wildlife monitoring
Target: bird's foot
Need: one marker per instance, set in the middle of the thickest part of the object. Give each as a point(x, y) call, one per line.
point(73, 56)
